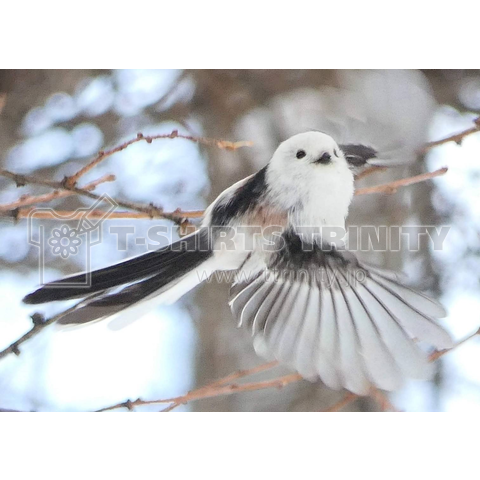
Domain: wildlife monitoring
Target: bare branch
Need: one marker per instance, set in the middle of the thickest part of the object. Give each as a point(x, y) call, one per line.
point(39, 323)
point(103, 154)
point(436, 355)
point(224, 387)
point(346, 400)
point(392, 187)
point(92, 214)
point(457, 138)
point(215, 390)
point(26, 200)
point(151, 210)
point(369, 171)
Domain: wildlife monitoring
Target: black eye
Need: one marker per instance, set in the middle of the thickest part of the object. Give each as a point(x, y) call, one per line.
point(301, 153)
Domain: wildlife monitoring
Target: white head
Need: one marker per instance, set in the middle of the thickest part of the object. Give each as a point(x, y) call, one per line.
point(308, 150)
point(308, 173)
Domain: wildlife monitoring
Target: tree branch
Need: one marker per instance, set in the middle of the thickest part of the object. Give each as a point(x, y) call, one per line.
point(457, 138)
point(92, 214)
point(151, 211)
point(206, 392)
point(39, 323)
point(224, 387)
point(392, 187)
point(379, 396)
point(104, 154)
point(436, 355)
point(26, 200)
point(69, 183)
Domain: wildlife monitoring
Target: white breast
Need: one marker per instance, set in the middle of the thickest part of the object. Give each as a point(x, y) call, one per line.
point(315, 196)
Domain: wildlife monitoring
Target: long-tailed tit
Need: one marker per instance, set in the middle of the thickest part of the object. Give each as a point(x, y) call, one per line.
point(307, 302)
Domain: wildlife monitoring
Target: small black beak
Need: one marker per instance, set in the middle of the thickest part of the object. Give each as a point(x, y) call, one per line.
point(325, 159)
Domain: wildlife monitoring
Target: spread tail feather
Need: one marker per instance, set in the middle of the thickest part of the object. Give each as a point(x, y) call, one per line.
point(160, 268)
point(132, 301)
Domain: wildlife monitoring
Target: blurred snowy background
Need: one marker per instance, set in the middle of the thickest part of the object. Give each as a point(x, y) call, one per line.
point(53, 122)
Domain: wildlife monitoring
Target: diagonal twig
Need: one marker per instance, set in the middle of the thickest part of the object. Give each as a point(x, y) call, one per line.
point(392, 187)
point(39, 323)
point(72, 180)
point(26, 200)
point(457, 137)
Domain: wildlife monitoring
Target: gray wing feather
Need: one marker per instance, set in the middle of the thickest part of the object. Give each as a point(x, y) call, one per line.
point(378, 361)
point(351, 363)
point(307, 343)
point(410, 360)
point(348, 333)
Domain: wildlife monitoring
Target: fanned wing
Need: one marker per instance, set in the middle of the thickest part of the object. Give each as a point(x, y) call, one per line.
point(330, 317)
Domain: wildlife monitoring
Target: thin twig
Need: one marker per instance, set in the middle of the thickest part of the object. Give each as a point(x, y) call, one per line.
point(151, 210)
point(103, 154)
point(457, 137)
point(26, 200)
point(219, 388)
point(207, 392)
point(382, 400)
point(39, 323)
point(346, 400)
point(369, 171)
point(92, 214)
point(436, 355)
point(392, 187)
point(178, 216)
point(243, 373)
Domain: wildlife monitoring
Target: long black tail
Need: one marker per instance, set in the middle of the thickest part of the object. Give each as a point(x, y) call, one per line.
point(160, 267)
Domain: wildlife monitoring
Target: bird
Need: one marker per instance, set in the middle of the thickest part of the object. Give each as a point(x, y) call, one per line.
point(307, 301)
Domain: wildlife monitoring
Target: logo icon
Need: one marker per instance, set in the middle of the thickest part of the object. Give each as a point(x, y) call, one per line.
point(66, 240)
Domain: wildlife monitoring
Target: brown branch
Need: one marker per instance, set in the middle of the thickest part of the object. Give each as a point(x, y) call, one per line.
point(39, 323)
point(346, 400)
point(377, 395)
point(243, 373)
point(369, 171)
point(69, 183)
point(382, 400)
point(457, 138)
point(26, 200)
point(103, 154)
point(436, 355)
point(381, 397)
point(392, 187)
point(92, 214)
point(151, 210)
point(216, 389)
point(178, 216)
